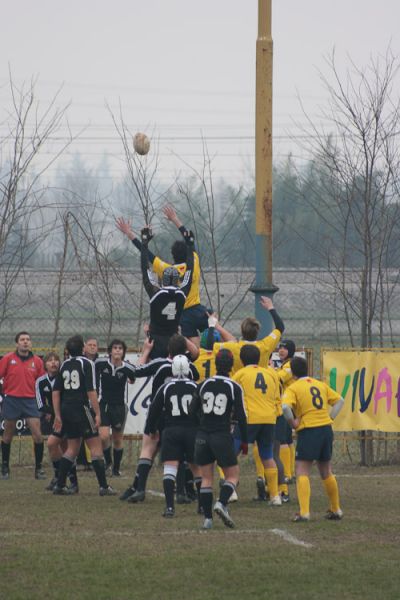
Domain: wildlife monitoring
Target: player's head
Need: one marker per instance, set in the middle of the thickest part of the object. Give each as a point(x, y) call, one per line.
point(23, 341)
point(91, 348)
point(75, 345)
point(179, 251)
point(224, 362)
point(204, 339)
point(249, 355)
point(51, 362)
point(286, 349)
point(170, 276)
point(299, 366)
point(176, 345)
point(250, 329)
point(115, 347)
point(180, 366)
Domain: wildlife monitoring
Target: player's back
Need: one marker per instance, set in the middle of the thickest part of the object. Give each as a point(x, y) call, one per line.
point(205, 364)
point(310, 400)
point(266, 346)
point(166, 308)
point(261, 393)
point(75, 378)
point(178, 395)
point(218, 395)
point(193, 296)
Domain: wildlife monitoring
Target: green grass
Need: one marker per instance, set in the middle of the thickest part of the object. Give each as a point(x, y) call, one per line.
point(91, 547)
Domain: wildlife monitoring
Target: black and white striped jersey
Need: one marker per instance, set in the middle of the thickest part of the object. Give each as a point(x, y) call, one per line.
point(44, 389)
point(161, 371)
point(75, 379)
point(111, 380)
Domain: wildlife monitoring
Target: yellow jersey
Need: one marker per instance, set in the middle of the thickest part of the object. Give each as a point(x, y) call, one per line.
point(205, 364)
point(266, 346)
point(261, 393)
point(193, 296)
point(285, 375)
point(309, 398)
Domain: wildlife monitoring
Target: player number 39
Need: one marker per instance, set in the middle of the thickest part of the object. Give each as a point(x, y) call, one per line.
point(216, 404)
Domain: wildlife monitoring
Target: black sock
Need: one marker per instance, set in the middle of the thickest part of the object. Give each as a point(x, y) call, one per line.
point(206, 500)
point(189, 482)
point(100, 470)
point(39, 448)
point(180, 480)
point(5, 453)
point(107, 456)
point(73, 476)
point(56, 467)
point(197, 483)
point(65, 467)
point(117, 455)
point(226, 492)
point(143, 470)
point(169, 490)
point(135, 481)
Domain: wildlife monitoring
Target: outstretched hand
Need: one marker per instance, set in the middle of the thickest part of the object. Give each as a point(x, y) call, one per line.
point(125, 226)
point(169, 212)
point(146, 234)
point(266, 303)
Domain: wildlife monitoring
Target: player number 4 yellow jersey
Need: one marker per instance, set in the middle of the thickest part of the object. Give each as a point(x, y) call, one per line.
point(261, 393)
point(310, 400)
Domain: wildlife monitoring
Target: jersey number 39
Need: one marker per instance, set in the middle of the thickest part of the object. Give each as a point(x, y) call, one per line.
point(214, 403)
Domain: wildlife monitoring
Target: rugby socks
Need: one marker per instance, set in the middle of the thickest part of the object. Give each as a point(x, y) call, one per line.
point(220, 473)
point(143, 470)
point(72, 475)
point(107, 456)
point(56, 467)
point(226, 492)
point(117, 457)
point(39, 449)
point(100, 470)
point(189, 481)
point(257, 460)
point(135, 481)
point(169, 481)
point(283, 488)
point(284, 454)
point(271, 477)
point(197, 483)
point(332, 491)
point(180, 480)
point(5, 453)
point(66, 464)
point(206, 501)
point(303, 494)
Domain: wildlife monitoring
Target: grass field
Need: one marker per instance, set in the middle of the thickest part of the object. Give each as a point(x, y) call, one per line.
point(90, 547)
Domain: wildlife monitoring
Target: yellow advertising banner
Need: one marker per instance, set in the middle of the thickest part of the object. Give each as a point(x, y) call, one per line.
point(369, 382)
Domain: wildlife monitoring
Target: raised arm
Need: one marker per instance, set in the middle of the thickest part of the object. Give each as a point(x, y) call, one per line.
point(268, 305)
point(125, 226)
point(188, 277)
point(144, 262)
point(170, 215)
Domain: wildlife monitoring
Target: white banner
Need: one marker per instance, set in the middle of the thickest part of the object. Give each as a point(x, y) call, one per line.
point(138, 397)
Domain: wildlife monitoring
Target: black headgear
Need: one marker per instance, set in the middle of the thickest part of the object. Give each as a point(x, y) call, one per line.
point(170, 277)
point(290, 347)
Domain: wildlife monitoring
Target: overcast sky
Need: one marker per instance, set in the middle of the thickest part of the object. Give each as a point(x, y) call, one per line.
point(184, 68)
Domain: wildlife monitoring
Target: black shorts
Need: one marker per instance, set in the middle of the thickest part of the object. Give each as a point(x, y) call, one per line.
point(113, 415)
point(78, 423)
point(315, 443)
point(47, 428)
point(194, 320)
point(178, 443)
point(214, 446)
point(283, 431)
point(160, 347)
point(160, 426)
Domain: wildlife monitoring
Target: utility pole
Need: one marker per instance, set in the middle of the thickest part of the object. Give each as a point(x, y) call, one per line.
point(264, 54)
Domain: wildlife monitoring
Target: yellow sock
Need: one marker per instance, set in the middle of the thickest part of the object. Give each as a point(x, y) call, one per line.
point(292, 459)
point(303, 494)
point(332, 490)
point(220, 473)
point(271, 477)
point(88, 454)
point(257, 460)
point(284, 455)
point(283, 487)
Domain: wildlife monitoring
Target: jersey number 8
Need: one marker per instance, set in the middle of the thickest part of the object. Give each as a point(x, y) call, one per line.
point(216, 404)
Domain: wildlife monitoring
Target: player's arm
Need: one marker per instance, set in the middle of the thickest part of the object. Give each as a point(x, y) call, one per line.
point(3, 366)
point(268, 305)
point(56, 401)
point(149, 369)
point(213, 324)
point(188, 277)
point(144, 262)
point(288, 403)
point(240, 413)
point(124, 225)
point(192, 349)
point(42, 404)
point(170, 214)
point(148, 345)
point(336, 401)
point(94, 403)
point(194, 372)
point(155, 411)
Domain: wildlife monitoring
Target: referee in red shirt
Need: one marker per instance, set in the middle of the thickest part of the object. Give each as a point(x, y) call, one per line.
point(19, 371)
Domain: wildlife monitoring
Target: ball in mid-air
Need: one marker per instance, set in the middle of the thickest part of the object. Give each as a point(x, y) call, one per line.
point(141, 143)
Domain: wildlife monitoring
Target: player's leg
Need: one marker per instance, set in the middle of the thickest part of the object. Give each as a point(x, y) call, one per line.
point(104, 432)
point(303, 470)
point(55, 453)
point(225, 453)
point(36, 432)
point(66, 463)
point(265, 442)
point(118, 450)
point(8, 434)
point(169, 482)
point(324, 464)
point(206, 493)
point(260, 481)
point(94, 444)
point(150, 444)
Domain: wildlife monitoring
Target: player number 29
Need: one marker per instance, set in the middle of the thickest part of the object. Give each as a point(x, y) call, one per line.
point(216, 404)
point(71, 380)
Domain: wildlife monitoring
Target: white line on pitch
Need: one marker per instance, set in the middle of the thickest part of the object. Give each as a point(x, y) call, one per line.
point(288, 537)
